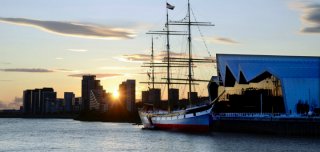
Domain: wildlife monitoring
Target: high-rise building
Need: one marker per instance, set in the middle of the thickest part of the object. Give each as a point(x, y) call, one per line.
point(127, 90)
point(89, 83)
point(36, 101)
point(47, 97)
point(93, 94)
point(69, 98)
point(27, 101)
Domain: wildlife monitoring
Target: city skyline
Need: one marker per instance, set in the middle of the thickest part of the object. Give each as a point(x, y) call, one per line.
point(52, 44)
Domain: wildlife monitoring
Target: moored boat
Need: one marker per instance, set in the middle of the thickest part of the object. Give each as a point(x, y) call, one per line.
point(195, 118)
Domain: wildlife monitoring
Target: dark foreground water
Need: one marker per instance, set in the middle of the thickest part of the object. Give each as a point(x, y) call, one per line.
point(69, 135)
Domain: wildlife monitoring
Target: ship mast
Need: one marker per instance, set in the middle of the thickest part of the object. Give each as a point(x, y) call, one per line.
point(152, 62)
point(168, 62)
point(176, 62)
point(190, 53)
point(190, 60)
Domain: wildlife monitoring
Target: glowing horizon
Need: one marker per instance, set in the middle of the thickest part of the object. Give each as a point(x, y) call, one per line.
point(41, 46)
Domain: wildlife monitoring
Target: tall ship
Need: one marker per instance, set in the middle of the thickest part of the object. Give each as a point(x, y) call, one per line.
point(196, 114)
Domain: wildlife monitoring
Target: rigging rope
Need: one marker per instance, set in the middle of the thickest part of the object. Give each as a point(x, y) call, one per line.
point(202, 37)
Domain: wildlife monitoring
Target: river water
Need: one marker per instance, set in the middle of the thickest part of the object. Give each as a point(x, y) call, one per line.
point(69, 135)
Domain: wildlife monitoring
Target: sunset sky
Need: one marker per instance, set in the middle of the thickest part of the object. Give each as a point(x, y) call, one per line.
point(52, 43)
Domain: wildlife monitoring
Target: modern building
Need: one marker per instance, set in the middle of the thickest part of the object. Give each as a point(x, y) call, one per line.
point(69, 100)
point(59, 105)
point(152, 96)
point(127, 91)
point(27, 101)
point(295, 79)
point(89, 83)
point(36, 101)
point(77, 105)
point(48, 97)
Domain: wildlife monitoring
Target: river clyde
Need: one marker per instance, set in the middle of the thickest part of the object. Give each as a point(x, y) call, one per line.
point(71, 135)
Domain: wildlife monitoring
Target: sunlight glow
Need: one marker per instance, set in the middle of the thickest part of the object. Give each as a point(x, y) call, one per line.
point(115, 94)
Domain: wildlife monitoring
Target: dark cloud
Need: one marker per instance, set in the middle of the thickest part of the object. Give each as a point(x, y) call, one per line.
point(311, 30)
point(311, 18)
point(30, 70)
point(73, 29)
point(224, 40)
point(101, 75)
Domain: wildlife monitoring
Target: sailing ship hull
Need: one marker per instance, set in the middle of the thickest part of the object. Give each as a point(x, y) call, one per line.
point(195, 122)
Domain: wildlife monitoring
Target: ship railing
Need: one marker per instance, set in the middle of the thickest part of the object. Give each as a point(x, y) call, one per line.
point(249, 114)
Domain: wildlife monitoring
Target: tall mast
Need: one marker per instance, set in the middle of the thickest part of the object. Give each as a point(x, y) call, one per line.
point(152, 62)
point(190, 53)
point(168, 62)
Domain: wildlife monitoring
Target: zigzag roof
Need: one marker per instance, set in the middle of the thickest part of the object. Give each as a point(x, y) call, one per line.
point(250, 68)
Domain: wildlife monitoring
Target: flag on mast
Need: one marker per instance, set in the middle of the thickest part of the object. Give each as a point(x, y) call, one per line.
point(169, 6)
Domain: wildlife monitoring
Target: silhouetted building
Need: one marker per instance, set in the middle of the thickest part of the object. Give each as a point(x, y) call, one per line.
point(47, 96)
point(173, 97)
point(127, 90)
point(27, 101)
point(77, 104)
point(59, 106)
point(36, 101)
point(145, 97)
point(193, 96)
point(94, 97)
point(295, 79)
point(89, 83)
point(155, 97)
point(68, 101)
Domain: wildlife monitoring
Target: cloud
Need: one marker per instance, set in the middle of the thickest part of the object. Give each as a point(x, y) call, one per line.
point(5, 80)
point(134, 58)
point(146, 57)
point(101, 75)
point(81, 30)
point(77, 50)
point(156, 73)
point(5, 63)
point(30, 70)
point(65, 70)
point(3, 105)
point(15, 104)
point(310, 16)
point(37, 70)
point(118, 68)
point(221, 40)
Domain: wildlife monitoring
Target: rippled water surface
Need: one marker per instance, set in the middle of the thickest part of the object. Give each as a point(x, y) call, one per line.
point(70, 135)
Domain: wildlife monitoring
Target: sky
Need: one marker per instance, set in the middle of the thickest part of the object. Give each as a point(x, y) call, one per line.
point(53, 43)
